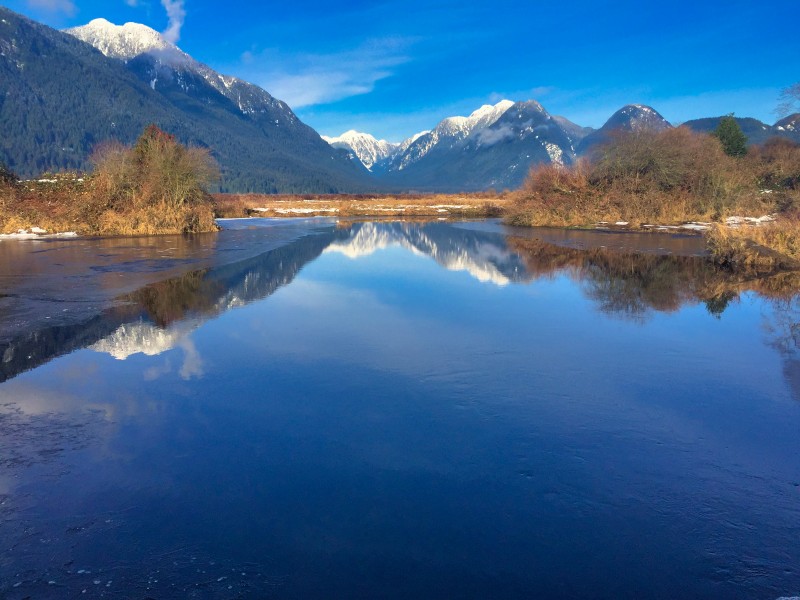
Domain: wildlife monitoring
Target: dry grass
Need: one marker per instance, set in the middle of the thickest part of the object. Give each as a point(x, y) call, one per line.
point(675, 176)
point(156, 187)
point(72, 204)
point(411, 206)
point(772, 246)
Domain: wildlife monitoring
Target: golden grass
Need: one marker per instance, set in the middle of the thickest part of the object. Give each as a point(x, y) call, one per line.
point(665, 178)
point(771, 246)
point(411, 206)
point(68, 204)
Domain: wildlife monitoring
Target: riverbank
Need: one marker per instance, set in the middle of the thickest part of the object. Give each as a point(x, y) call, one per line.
point(747, 206)
point(373, 205)
point(71, 204)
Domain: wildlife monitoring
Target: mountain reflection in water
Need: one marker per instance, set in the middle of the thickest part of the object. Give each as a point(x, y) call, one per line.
point(316, 409)
point(158, 316)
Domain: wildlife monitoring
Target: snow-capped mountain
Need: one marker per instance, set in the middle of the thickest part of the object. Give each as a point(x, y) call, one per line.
point(374, 154)
point(448, 133)
point(492, 148)
point(633, 117)
point(76, 94)
point(575, 132)
point(166, 64)
point(125, 41)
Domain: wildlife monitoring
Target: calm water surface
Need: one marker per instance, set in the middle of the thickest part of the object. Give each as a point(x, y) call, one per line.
point(395, 410)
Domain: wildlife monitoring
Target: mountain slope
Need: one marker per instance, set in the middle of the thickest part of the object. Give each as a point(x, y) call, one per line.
point(63, 97)
point(633, 117)
point(790, 124)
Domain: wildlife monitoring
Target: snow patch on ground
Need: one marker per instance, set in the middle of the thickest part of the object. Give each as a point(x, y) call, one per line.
point(36, 233)
point(755, 221)
point(298, 211)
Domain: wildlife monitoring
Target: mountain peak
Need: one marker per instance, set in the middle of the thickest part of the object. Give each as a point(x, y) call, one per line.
point(126, 41)
point(636, 117)
point(351, 136)
point(372, 153)
point(491, 109)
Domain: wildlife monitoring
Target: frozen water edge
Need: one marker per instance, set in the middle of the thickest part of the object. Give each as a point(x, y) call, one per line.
point(36, 233)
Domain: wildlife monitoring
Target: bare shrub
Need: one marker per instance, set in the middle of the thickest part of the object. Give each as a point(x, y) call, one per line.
point(158, 186)
point(170, 172)
point(674, 175)
point(776, 164)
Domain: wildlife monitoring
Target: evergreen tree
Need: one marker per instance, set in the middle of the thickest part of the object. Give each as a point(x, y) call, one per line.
point(730, 135)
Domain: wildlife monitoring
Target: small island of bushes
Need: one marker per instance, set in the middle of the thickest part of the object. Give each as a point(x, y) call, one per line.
point(157, 186)
point(677, 176)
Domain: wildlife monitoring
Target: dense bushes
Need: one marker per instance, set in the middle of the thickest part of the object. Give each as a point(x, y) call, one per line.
point(157, 186)
point(674, 175)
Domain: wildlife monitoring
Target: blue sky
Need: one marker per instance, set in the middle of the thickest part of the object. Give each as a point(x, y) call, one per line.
point(394, 68)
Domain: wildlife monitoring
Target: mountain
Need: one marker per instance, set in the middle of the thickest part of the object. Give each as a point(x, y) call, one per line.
point(374, 154)
point(633, 117)
point(492, 148)
point(63, 96)
point(449, 133)
point(790, 123)
point(160, 63)
point(756, 131)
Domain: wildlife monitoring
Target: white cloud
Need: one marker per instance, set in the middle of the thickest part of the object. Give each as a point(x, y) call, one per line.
point(177, 15)
point(56, 6)
point(132, 3)
point(314, 79)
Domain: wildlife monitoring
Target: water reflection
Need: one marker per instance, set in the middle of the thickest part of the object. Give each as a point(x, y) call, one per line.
point(445, 407)
point(160, 316)
point(635, 284)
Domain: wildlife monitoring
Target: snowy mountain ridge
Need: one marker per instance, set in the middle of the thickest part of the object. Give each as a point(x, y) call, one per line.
point(125, 41)
point(370, 151)
point(131, 41)
point(449, 132)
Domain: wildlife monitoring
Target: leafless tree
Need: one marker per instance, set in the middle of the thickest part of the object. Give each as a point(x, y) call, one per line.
point(789, 100)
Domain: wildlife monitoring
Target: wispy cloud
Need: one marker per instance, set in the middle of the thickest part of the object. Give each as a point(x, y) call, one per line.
point(495, 135)
point(314, 79)
point(55, 6)
point(176, 13)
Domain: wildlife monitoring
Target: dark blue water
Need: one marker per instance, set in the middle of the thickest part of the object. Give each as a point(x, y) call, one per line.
point(395, 411)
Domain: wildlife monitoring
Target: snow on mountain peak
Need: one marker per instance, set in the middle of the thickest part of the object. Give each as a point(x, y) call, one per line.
point(370, 151)
point(491, 110)
point(461, 127)
point(452, 130)
point(126, 41)
point(131, 40)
